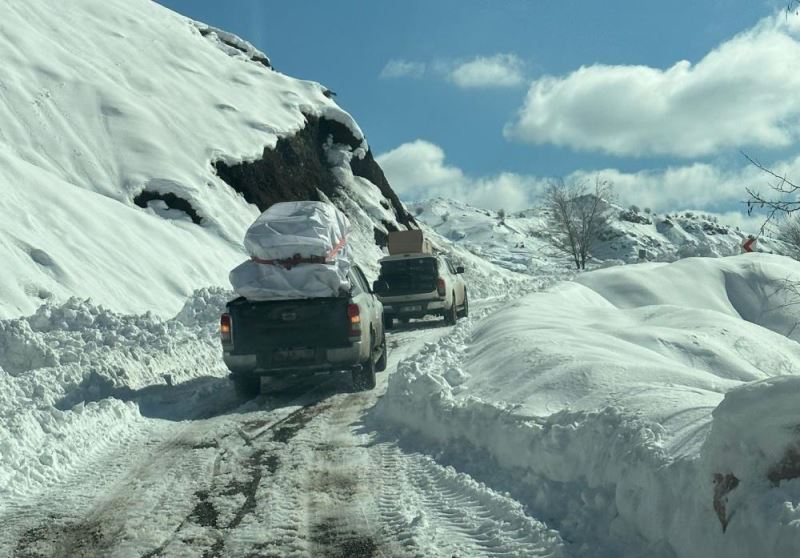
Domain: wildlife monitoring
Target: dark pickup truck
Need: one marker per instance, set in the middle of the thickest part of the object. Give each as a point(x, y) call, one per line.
point(283, 338)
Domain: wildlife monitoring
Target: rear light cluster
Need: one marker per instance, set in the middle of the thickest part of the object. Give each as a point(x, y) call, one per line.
point(225, 331)
point(441, 288)
point(354, 321)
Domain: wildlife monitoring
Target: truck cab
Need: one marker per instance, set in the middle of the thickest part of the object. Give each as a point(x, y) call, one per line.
point(415, 285)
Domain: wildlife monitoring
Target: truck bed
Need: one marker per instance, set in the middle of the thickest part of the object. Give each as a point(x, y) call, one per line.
point(259, 327)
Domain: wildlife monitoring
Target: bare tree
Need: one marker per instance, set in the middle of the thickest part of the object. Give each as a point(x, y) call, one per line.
point(784, 200)
point(782, 187)
point(576, 216)
point(788, 232)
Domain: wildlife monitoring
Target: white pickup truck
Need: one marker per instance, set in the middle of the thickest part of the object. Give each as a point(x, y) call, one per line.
point(419, 285)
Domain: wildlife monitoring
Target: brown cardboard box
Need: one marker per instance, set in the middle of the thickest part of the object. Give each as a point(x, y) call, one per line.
point(409, 242)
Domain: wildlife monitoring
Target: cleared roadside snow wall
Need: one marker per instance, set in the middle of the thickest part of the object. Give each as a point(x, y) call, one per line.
point(649, 409)
point(76, 378)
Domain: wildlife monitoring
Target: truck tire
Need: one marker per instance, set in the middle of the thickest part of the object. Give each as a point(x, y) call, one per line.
point(364, 376)
point(465, 310)
point(451, 314)
point(380, 365)
point(246, 386)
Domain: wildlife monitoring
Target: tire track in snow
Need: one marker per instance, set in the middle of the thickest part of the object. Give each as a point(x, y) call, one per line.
point(342, 518)
point(365, 499)
point(246, 477)
point(175, 465)
point(160, 483)
point(440, 511)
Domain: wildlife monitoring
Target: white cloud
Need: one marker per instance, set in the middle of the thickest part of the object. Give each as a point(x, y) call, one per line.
point(418, 170)
point(500, 70)
point(743, 93)
point(398, 68)
point(419, 166)
point(697, 185)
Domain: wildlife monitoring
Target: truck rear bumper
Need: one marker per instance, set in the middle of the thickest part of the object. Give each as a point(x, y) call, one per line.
point(267, 365)
point(414, 308)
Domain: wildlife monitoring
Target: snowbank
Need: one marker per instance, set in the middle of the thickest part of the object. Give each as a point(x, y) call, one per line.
point(71, 377)
point(649, 409)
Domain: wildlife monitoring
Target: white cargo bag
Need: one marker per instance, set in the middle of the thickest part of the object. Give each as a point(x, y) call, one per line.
point(306, 229)
point(298, 250)
point(256, 281)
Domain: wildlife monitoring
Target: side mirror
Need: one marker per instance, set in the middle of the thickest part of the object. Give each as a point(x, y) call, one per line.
point(380, 287)
point(460, 269)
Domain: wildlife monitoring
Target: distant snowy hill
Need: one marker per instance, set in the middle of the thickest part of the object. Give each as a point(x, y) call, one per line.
point(137, 145)
point(518, 241)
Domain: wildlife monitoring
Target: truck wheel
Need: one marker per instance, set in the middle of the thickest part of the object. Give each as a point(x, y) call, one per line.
point(465, 311)
point(246, 386)
point(380, 366)
point(451, 314)
point(364, 376)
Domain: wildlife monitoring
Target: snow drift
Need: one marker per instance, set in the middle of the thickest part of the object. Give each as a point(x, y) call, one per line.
point(649, 408)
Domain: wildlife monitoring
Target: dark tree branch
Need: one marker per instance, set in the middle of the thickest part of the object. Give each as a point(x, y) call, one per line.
point(774, 206)
point(785, 186)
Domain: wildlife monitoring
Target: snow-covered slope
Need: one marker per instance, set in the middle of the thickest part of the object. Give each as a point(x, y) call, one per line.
point(642, 410)
point(112, 105)
point(518, 240)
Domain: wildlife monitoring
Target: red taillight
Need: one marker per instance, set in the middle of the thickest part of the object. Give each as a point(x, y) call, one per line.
point(354, 320)
point(225, 328)
point(441, 288)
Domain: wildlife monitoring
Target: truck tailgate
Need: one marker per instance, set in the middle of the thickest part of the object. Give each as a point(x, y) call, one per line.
point(409, 276)
point(259, 326)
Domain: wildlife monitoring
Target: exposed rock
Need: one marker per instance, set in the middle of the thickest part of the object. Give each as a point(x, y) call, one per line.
point(368, 168)
point(298, 169)
point(634, 217)
point(234, 42)
point(723, 484)
point(788, 468)
point(172, 201)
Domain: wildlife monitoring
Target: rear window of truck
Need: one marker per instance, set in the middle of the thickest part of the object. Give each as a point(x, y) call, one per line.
point(410, 266)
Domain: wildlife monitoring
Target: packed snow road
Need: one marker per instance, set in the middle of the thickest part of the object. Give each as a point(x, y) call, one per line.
point(296, 472)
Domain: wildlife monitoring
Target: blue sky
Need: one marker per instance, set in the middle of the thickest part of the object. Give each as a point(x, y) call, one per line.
point(441, 89)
